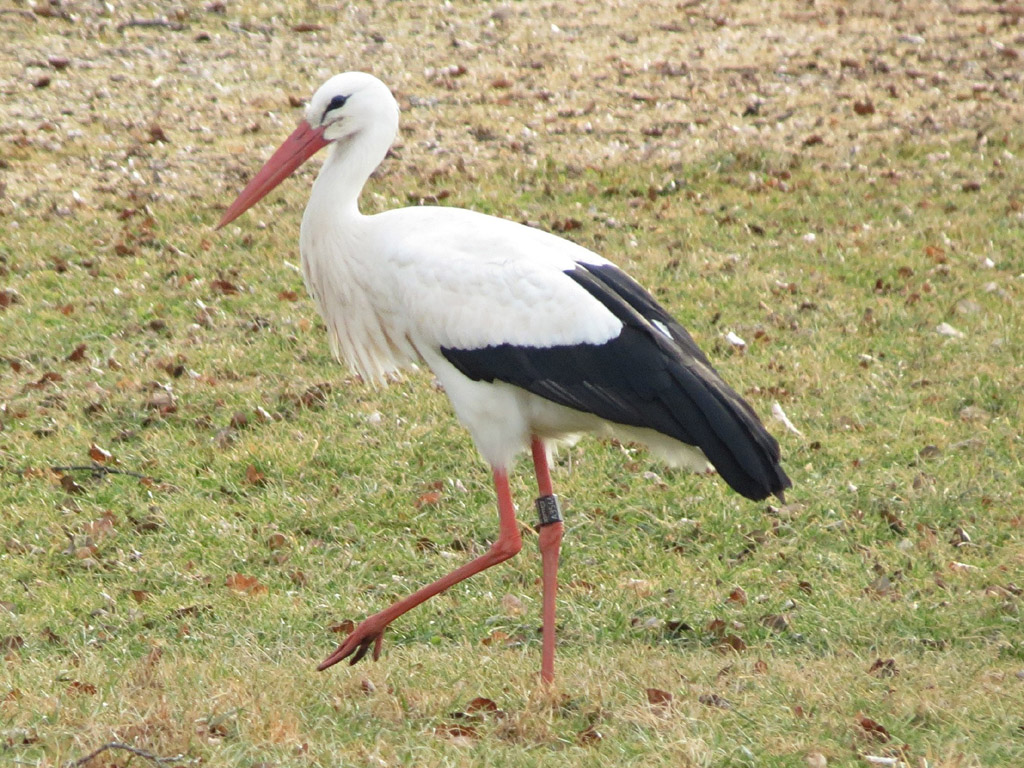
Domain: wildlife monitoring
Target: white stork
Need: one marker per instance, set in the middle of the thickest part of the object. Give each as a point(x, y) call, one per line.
point(535, 339)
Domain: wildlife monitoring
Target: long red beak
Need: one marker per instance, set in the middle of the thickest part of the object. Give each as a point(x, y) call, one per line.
point(304, 142)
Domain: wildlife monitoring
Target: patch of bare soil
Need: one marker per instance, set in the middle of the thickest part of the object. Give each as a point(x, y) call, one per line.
point(100, 102)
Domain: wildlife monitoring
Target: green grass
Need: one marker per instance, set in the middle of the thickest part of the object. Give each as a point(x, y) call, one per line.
point(763, 621)
point(859, 562)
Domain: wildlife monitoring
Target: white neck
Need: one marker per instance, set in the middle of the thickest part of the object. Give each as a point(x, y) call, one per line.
point(337, 262)
point(348, 166)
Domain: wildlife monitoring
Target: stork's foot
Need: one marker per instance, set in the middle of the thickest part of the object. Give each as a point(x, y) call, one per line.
point(370, 632)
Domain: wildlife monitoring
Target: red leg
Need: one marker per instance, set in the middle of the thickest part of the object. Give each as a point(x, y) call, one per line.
point(540, 466)
point(550, 543)
point(371, 630)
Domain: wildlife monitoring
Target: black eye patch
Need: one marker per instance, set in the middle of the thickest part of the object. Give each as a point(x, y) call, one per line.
point(336, 103)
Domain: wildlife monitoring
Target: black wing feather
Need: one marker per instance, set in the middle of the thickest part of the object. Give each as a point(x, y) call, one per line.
point(641, 378)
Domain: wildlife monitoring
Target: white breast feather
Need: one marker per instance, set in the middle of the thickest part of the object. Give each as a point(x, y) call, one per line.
point(361, 328)
point(413, 279)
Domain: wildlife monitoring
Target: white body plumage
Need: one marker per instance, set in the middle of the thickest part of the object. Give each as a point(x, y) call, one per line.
point(533, 337)
point(405, 283)
point(530, 334)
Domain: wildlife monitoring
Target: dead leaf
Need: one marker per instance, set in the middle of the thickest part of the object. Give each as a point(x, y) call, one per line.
point(423, 544)
point(731, 642)
point(883, 668)
point(566, 225)
point(315, 396)
point(254, 477)
point(873, 730)
point(428, 499)
point(865, 107)
point(77, 354)
point(344, 627)
point(76, 686)
point(224, 287)
point(894, 521)
point(68, 483)
point(140, 595)
point(960, 537)
point(716, 627)
point(658, 698)
point(777, 622)
point(589, 736)
point(738, 596)
point(99, 455)
point(676, 627)
point(8, 297)
point(162, 401)
point(483, 706)
point(101, 527)
point(248, 585)
point(188, 610)
point(496, 636)
point(50, 377)
point(148, 523)
point(714, 700)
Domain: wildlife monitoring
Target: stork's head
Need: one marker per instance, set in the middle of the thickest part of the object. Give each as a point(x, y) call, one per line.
point(351, 103)
point(347, 106)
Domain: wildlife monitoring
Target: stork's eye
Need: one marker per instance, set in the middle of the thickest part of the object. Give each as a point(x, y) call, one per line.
point(336, 103)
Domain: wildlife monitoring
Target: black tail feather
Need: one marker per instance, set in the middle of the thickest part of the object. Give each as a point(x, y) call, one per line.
point(652, 375)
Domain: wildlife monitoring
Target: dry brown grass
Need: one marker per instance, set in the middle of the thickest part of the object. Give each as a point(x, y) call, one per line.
point(606, 84)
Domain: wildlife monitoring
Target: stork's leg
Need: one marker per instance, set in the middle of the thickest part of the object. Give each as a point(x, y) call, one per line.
point(371, 630)
point(550, 543)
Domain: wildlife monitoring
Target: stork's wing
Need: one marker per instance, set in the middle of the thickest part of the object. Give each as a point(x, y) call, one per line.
point(649, 374)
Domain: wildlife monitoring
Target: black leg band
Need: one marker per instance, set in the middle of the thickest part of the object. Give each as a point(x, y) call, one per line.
point(548, 510)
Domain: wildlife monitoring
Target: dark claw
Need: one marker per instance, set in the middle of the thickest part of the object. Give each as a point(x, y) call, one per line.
point(364, 646)
point(360, 650)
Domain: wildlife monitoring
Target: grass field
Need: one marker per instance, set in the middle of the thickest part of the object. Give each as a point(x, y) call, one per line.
point(839, 184)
